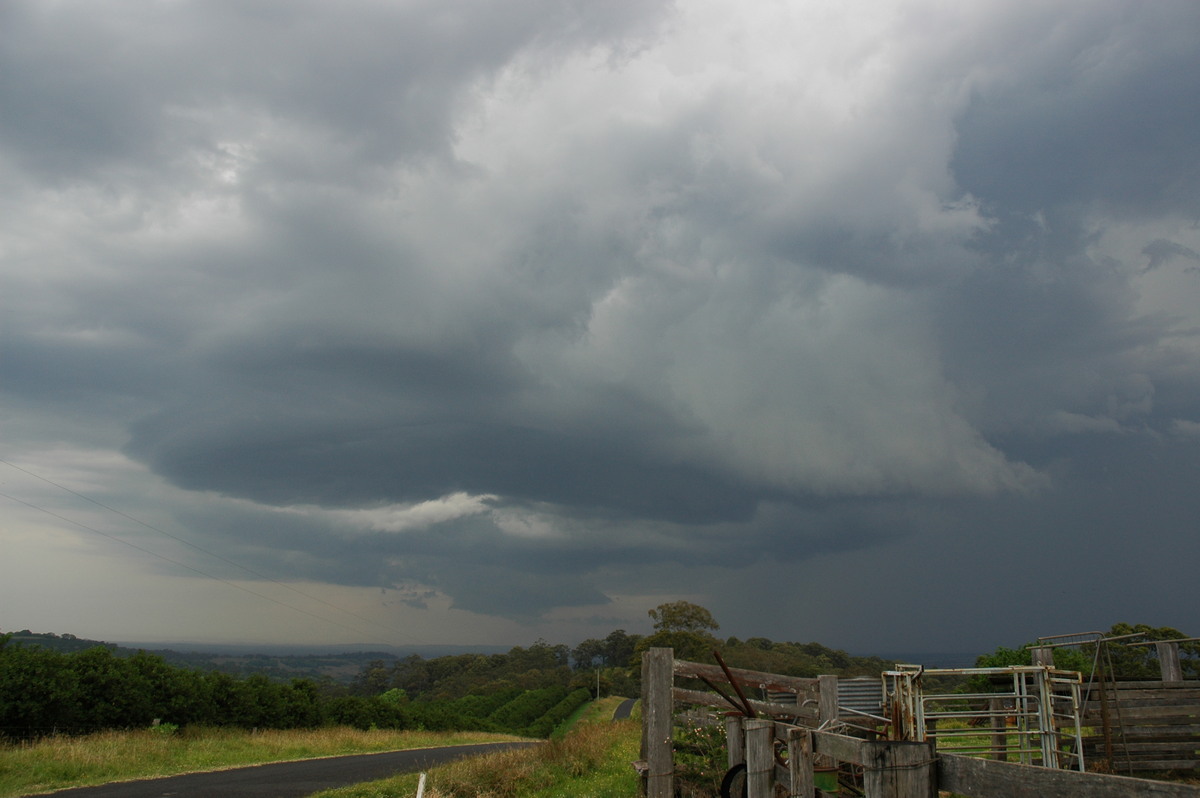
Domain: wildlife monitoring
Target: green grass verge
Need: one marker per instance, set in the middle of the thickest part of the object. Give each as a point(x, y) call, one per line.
point(592, 760)
point(58, 762)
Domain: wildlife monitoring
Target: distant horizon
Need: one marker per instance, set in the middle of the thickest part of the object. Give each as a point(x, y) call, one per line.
point(928, 658)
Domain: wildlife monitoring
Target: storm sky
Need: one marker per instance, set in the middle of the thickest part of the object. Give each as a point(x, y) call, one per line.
point(872, 323)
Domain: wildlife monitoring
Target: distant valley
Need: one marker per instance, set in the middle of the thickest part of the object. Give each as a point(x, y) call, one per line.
point(336, 663)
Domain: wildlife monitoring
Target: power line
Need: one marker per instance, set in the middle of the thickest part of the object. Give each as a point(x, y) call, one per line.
point(188, 543)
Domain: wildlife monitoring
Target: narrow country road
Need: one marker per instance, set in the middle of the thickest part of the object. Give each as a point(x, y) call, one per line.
point(287, 779)
point(624, 709)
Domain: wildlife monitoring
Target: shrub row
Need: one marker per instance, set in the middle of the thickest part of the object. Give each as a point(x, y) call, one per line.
point(547, 723)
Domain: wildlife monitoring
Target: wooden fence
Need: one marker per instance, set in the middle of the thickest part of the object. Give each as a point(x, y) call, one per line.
point(1150, 726)
point(890, 769)
point(1140, 726)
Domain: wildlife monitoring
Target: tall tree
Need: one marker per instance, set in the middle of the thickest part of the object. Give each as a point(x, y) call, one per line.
point(685, 627)
point(619, 647)
point(683, 616)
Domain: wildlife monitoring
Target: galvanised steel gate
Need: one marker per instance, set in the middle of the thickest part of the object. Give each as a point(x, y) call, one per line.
point(1031, 713)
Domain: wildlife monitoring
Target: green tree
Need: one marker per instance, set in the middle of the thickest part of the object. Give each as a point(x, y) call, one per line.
point(586, 653)
point(374, 678)
point(619, 647)
point(1141, 661)
point(1128, 661)
point(39, 693)
point(685, 627)
point(683, 616)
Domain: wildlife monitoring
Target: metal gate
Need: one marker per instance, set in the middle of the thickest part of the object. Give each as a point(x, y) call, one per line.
point(1028, 713)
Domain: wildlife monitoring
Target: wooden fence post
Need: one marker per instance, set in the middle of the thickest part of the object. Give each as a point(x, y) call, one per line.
point(735, 742)
point(658, 679)
point(1168, 660)
point(828, 700)
point(999, 726)
point(895, 769)
point(760, 758)
point(1042, 655)
point(800, 763)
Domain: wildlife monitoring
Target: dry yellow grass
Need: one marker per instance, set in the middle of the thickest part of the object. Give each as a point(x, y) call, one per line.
point(57, 762)
point(592, 761)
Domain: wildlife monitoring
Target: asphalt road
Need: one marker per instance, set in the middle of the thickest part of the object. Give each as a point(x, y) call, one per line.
point(287, 779)
point(624, 709)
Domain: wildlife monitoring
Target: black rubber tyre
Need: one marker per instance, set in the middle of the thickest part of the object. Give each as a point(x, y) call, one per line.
point(734, 783)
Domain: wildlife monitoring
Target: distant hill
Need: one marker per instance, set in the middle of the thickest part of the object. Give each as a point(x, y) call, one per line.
point(339, 663)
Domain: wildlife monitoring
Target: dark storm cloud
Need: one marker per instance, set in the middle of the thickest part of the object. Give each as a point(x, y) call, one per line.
point(538, 305)
point(487, 569)
point(1080, 137)
point(106, 85)
point(1096, 114)
point(297, 460)
point(1044, 327)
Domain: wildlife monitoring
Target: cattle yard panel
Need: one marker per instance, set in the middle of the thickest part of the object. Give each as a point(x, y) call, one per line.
point(1031, 713)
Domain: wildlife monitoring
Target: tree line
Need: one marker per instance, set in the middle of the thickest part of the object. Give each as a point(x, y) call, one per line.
point(1125, 658)
point(529, 690)
point(608, 665)
point(45, 692)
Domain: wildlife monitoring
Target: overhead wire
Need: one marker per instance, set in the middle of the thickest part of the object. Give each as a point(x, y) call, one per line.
point(202, 550)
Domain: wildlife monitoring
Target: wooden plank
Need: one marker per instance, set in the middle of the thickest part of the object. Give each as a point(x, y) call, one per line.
point(1192, 707)
point(760, 758)
point(838, 746)
point(1156, 685)
point(1189, 698)
point(894, 769)
point(735, 742)
point(1146, 698)
point(1179, 730)
point(1148, 733)
point(1183, 697)
point(767, 681)
point(1168, 661)
point(827, 699)
point(703, 698)
point(985, 778)
point(1140, 699)
point(1152, 766)
point(999, 729)
point(800, 763)
point(657, 717)
point(1091, 718)
point(1188, 747)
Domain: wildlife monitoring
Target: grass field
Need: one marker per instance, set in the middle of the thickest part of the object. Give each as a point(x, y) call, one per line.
point(58, 762)
point(591, 760)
